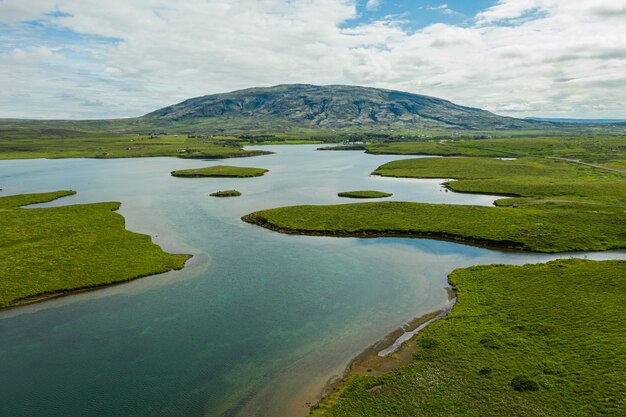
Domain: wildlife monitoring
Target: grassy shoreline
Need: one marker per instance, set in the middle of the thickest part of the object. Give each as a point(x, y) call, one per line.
point(364, 194)
point(55, 251)
point(220, 171)
point(510, 323)
point(547, 228)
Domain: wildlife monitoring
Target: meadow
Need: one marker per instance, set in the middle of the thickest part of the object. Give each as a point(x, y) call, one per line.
point(51, 251)
point(120, 146)
point(220, 171)
point(533, 340)
point(364, 194)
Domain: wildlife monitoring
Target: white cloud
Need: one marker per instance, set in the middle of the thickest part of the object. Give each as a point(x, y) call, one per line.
point(372, 4)
point(559, 58)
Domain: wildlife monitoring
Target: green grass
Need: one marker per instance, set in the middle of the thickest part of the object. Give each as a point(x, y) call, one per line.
point(73, 145)
point(227, 193)
point(220, 171)
point(525, 177)
point(565, 207)
point(52, 250)
point(558, 325)
point(596, 149)
point(547, 227)
point(444, 148)
point(364, 194)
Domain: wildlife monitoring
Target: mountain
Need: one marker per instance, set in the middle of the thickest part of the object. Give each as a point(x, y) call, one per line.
point(335, 107)
point(565, 120)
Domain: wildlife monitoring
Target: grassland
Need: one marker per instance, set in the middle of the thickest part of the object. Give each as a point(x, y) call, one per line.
point(220, 171)
point(73, 145)
point(558, 326)
point(226, 193)
point(562, 207)
point(50, 251)
point(364, 194)
point(548, 227)
point(538, 178)
point(594, 149)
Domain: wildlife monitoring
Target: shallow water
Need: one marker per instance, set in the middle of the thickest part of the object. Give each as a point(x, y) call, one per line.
point(256, 322)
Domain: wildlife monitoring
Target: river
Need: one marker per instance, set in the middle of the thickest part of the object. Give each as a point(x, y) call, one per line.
point(256, 323)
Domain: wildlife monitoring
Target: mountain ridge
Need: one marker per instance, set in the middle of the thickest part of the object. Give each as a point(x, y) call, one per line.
point(335, 106)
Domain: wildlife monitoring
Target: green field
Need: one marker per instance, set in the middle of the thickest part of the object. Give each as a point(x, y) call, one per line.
point(548, 227)
point(72, 145)
point(558, 328)
point(220, 171)
point(364, 194)
point(226, 193)
point(563, 207)
point(47, 251)
point(608, 151)
point(539, 178)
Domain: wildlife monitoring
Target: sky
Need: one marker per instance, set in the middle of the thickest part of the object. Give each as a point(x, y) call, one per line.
point(91, 59)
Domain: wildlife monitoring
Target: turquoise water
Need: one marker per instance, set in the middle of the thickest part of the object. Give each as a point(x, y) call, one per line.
point(256, 322)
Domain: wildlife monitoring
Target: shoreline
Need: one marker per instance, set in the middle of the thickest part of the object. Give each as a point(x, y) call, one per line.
point(40, 298)
point(370, 362)
point(503, 246)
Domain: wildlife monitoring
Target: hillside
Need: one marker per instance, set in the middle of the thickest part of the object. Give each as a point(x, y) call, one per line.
point(335, 106)
point(298, 109)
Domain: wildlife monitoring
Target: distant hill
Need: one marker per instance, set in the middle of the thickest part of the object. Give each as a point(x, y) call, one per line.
point(304, 109)
point(566, 120)
point(334, 106)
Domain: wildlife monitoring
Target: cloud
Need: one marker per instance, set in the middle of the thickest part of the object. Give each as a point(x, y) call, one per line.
point(373, 4)
point(443, 8)
point(550, 58)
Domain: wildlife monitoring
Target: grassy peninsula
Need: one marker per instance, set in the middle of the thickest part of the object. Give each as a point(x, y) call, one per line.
point(549, 227)
point(226, 193)
point(364, 194)
point(220, 171)
point(55, 250)
point(535, 340)
point(537, 178)
point(562, 207)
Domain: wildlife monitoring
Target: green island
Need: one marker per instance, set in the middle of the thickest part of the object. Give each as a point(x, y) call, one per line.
point(561, 207)
point(46, 252)
point(220, 171)
point(364, 194)
point(226, 193)
point(533, 340)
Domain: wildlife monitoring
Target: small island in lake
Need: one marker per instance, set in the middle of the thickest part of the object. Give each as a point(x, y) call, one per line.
point(226, 193)
point(364, 194)
point(220, 171)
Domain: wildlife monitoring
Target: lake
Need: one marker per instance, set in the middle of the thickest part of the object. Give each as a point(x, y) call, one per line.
point(257, 322)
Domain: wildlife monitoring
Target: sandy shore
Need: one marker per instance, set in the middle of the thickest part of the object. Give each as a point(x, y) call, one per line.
point(372, 362)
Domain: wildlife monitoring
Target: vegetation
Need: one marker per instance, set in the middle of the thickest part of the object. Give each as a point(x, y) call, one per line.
point(24, 144)
point(364, 194)
point(535, 340)
point(48, 251)
point(336, 106)
point(431, 147)
point(547, 179)
point(220, 171)
point(596, 149)
point(227, 193)
point(564, 207)
point(547, 227)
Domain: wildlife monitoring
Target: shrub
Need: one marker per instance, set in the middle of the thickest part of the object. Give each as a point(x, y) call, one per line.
point(523, 383)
